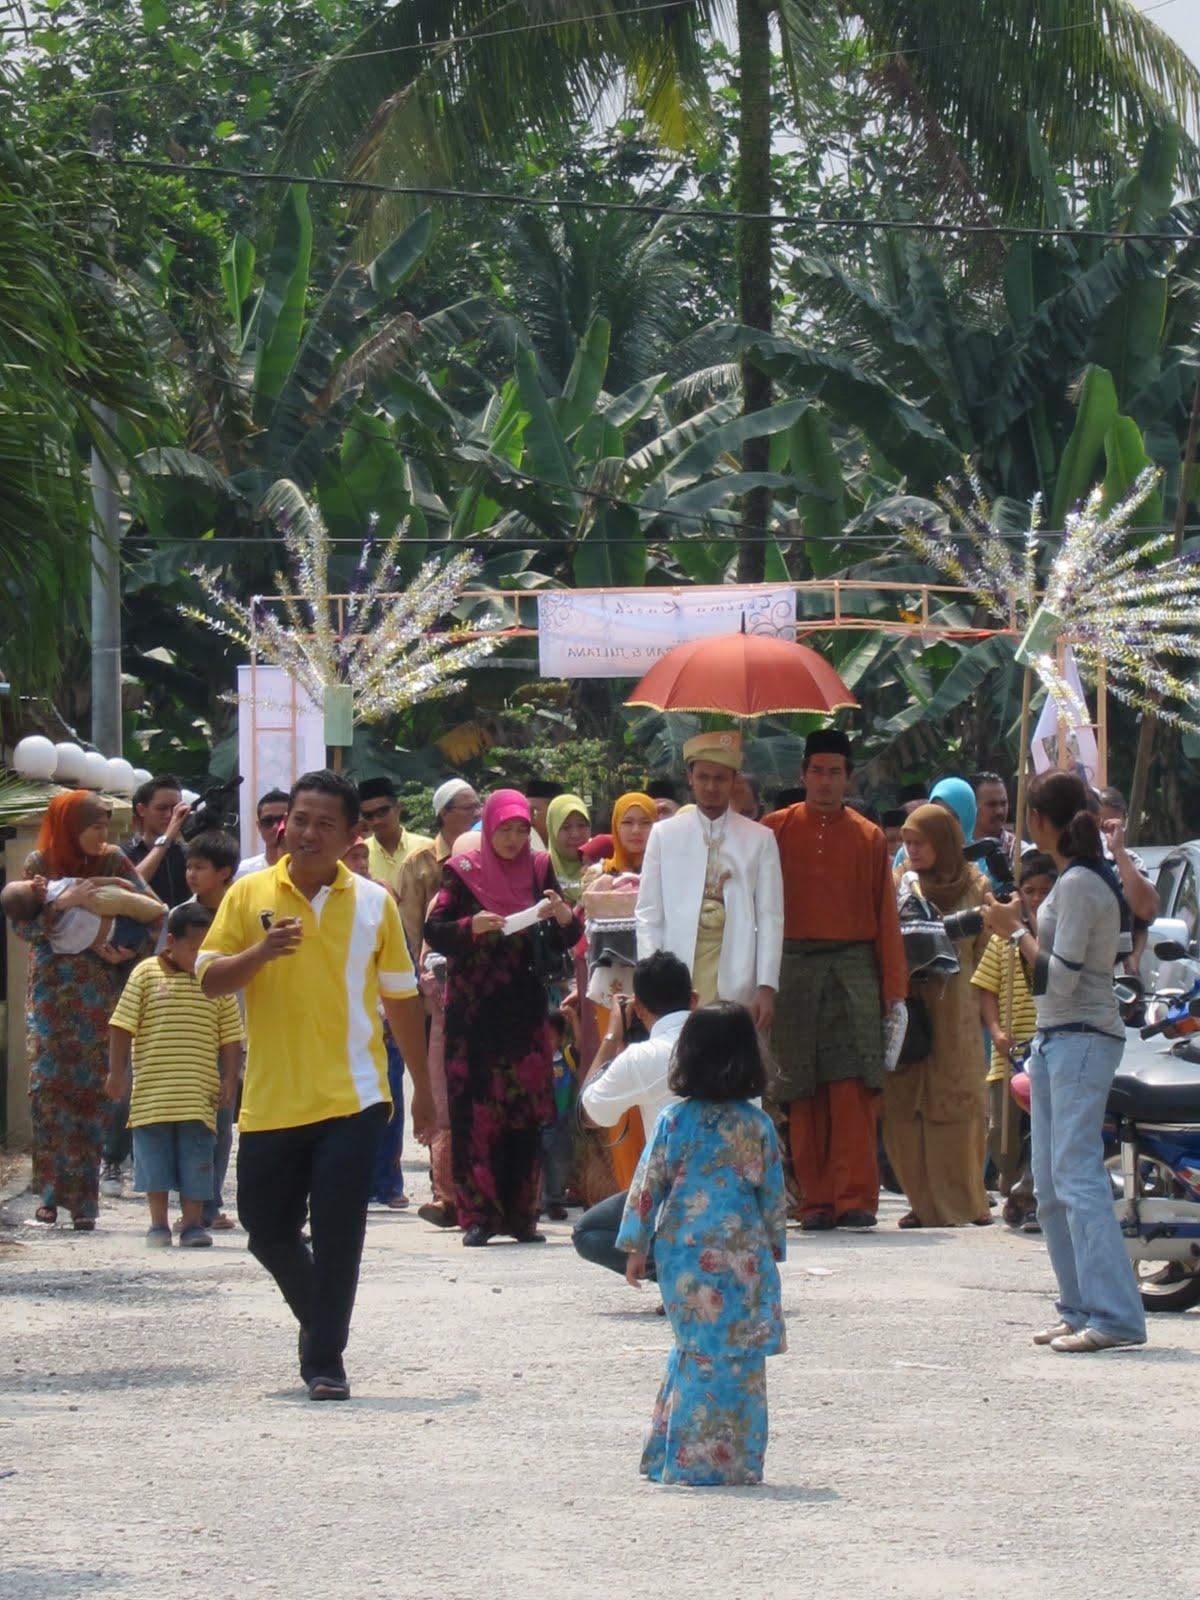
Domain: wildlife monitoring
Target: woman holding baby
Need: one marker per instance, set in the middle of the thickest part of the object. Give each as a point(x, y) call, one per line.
point(70, 999)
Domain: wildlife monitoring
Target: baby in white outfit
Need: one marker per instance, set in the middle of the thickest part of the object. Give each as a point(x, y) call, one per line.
point(117, 917)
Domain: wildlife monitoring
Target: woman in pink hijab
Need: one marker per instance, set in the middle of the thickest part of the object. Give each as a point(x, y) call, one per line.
point(498, 1052)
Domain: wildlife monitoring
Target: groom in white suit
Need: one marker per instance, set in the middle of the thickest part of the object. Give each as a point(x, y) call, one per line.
point(711, 888)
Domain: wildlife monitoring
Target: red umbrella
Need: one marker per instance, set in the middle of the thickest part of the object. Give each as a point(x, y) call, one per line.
point(743, 675)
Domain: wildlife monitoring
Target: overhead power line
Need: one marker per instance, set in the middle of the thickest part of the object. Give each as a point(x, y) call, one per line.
point(300, 70)
point(642, 207)
point(297, 71)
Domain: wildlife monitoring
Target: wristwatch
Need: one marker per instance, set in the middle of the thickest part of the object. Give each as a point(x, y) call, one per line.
point(160, 841)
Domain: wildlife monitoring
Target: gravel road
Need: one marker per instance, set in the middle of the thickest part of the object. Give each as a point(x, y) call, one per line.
point(154, 1441)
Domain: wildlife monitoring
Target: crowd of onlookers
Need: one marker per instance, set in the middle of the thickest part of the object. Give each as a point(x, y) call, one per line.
point(559, 983)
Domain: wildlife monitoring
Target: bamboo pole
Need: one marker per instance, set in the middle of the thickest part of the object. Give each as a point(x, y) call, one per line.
point(1006, 1120)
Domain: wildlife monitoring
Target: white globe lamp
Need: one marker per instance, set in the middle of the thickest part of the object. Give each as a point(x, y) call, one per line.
point(69, 766)
point(35, 757)
point(95, 770)
point(142, 775)
point(121, 779)
point(189, 795)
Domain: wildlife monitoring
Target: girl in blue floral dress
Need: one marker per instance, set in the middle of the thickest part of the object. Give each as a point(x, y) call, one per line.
point(709, 1192)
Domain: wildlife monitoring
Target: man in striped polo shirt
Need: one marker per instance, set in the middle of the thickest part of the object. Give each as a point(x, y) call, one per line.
point(317, 951)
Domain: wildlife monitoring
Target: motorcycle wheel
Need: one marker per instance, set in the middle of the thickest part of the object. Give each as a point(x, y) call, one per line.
point(1163, 1285)
point(1168, 1285)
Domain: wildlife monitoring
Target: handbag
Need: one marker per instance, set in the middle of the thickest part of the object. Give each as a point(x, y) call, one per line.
point(918, 1035)
point(550, 962)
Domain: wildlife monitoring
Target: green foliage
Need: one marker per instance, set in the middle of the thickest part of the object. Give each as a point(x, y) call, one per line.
point(68, 347)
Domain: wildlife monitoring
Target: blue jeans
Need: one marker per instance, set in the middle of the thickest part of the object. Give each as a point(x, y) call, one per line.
point(214, 1203)
point(1070, 1075)
point(556, 1161)
point(595, 1236)
point(387, 1180)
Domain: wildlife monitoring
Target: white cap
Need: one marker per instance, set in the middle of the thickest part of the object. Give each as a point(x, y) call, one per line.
point(448, 792)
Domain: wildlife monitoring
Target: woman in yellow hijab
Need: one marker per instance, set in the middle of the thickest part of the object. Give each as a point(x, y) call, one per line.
point(633, 816)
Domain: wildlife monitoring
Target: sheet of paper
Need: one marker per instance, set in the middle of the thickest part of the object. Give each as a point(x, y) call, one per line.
point(522, 919)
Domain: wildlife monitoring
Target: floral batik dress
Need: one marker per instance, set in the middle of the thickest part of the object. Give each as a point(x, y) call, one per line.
point(70, 1000)
point(709, 1191)
point(498, 1061)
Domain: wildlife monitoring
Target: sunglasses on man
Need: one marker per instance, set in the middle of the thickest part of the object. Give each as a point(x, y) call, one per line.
point(376, 812)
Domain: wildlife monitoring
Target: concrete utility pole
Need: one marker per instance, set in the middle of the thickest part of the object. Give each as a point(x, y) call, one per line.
point(106, 553)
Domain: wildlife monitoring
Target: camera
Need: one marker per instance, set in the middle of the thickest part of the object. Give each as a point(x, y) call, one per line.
point(216, 809)
point(997, 865)
point(635, 1028)
point(963, 924)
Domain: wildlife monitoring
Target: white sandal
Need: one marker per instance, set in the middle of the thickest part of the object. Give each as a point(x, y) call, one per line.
point(1058, 1331)
point(1087, 1341)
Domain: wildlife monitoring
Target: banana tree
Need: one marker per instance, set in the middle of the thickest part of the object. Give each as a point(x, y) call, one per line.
point(925, 380)
point(607, 488)
point(434, 89)
point(280, 386)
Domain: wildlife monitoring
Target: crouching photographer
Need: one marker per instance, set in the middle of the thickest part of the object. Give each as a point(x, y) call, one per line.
point(627, 1074)
point(934, 1104)
point(1076, 1052)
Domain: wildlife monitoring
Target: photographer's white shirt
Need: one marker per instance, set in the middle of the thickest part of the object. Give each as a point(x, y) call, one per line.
point(637, 1077)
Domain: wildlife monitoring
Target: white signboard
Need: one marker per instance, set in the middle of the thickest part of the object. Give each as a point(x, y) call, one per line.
point(620, 633)
point(281, 734)
point(1082, 756)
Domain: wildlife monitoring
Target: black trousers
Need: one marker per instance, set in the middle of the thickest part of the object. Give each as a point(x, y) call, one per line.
point(322, 1171)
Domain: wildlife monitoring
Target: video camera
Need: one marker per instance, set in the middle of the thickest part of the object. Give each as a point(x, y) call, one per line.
point(995, 860)
point(966, 924)
point(213, 811)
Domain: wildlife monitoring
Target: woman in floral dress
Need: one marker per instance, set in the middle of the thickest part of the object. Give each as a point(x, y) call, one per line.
point(70, 1000)
point(709, 1191)
point(498, 1055)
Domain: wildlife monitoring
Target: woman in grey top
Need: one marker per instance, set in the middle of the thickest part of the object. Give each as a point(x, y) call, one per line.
point(1076, 1052)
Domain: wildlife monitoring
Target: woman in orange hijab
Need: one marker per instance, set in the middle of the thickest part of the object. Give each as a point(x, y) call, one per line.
point(70, 1000)
point(935, 1110)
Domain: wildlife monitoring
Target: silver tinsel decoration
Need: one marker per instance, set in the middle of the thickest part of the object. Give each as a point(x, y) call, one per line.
point(1104, 593)
point(384, 650)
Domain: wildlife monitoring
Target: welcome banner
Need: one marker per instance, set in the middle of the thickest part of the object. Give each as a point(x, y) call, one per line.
point(621, 633)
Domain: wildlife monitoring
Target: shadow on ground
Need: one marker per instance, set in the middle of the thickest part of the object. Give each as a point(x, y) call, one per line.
point(116, 1286)
point(42, 1583)
point(399, 1403)
point(56, 1382)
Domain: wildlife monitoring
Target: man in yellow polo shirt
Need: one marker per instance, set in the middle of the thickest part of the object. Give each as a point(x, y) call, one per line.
point(389, 842)
point(317, 951)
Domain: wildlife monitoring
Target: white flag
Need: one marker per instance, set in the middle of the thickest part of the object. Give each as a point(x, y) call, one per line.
point(1083, 757)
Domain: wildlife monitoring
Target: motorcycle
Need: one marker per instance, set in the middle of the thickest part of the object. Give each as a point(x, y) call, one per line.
point(1153, 1129)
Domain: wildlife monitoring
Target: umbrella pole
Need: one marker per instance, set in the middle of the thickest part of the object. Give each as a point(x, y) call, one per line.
point(1006, 1128)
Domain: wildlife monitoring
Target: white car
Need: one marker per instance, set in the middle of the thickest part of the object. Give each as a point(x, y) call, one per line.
point(1176, 871)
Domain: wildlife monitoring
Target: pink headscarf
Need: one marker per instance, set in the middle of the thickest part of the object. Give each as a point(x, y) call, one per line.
point(502, 886)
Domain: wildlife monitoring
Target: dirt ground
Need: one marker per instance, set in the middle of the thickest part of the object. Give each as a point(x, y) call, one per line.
point(154, 1440)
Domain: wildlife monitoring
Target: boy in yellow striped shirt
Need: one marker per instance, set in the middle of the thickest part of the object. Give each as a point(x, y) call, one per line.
point(1009, 1034)
point(178, 1036)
